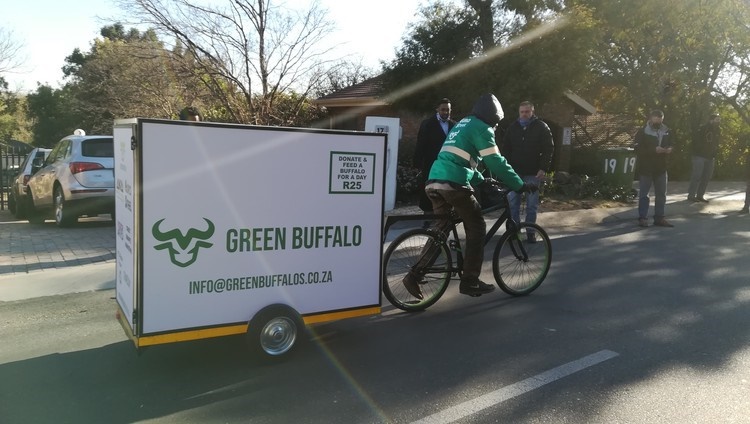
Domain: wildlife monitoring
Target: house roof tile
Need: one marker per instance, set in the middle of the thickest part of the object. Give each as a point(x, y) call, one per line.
point(365, 93)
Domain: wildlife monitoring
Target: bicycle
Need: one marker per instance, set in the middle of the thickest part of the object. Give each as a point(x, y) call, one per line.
point(519, 265)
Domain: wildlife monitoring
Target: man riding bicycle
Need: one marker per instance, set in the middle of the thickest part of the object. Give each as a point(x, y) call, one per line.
point(449, 186)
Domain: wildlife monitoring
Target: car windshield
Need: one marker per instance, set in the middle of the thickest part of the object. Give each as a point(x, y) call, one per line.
point(98, 148)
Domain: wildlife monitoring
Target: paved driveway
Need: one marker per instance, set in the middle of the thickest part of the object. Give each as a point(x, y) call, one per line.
point(25, 247)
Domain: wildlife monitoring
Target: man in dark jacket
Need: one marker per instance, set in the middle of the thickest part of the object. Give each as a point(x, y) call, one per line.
point(190, 113)
point(704, 147)
point(528, 146)
point(430, 139)
point(653, 145)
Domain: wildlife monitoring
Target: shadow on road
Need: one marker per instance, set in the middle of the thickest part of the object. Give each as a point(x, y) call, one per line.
point(663, 298)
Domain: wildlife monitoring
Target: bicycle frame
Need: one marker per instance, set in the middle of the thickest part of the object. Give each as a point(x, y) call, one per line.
point(424, 255)
point(393, 219)
point(449, 236)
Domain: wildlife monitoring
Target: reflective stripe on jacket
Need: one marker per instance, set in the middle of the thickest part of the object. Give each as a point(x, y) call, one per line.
point(470, 141)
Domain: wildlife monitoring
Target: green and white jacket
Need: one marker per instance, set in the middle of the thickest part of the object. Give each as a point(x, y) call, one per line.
point(470, 141)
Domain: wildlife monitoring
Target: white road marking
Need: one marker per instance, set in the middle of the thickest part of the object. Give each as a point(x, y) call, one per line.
point(464, 409)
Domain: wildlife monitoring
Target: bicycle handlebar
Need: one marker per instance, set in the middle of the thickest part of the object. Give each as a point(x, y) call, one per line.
point(525, 188)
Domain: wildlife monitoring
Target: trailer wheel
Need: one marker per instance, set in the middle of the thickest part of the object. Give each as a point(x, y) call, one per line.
point(275, 330)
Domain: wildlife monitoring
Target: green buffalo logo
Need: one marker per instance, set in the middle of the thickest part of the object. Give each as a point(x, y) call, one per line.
point(182, 248)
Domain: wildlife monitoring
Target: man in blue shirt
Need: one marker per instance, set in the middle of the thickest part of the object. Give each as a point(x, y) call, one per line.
point(430, 139)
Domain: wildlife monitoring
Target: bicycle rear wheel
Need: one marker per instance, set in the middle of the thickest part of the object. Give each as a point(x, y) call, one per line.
point(520, 266)
point(421, 253)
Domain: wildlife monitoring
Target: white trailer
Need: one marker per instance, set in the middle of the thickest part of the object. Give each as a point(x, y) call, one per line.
point(229, 229)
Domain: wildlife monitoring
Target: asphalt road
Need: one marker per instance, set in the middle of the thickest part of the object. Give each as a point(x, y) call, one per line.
point(632, 325)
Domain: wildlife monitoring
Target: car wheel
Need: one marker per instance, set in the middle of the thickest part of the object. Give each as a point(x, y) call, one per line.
point(20, 208)
point(33, 215)
point(12, 204)
point(64, 217)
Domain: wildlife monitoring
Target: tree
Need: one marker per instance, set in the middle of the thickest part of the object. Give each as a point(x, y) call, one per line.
point(247, 54)
point(449, 46)
point(687, 57)
point(9, 60)
point(501, 20)
point(9, 51)
point(444, 35)
point(7, 125)
point(129, 73)
point(51, 115)
point(13, 122)
point(340, 75)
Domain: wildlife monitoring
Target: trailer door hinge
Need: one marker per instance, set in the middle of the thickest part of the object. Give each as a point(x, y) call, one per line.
point(133, 143)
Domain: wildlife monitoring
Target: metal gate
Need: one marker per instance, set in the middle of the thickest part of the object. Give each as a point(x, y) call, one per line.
point(11, 159)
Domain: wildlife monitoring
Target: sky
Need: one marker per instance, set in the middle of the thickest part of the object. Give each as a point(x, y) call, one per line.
point(50, 30)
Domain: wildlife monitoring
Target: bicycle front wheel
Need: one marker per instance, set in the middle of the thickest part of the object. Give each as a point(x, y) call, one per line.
point(422, 255)
point(522, 259)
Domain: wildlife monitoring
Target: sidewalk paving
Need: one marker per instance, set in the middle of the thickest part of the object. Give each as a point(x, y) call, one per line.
point(26, 248)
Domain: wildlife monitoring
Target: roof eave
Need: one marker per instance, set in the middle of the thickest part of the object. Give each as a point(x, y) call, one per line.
point(351, 102)
point(580, 102)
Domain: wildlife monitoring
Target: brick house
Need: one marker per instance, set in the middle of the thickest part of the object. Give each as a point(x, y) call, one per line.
point(348, 108)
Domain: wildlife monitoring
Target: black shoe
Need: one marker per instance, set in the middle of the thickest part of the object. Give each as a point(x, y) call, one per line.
point(412, 286)
point(691, 199)
point(700, 199)
point(745, 210)
point(475, 288)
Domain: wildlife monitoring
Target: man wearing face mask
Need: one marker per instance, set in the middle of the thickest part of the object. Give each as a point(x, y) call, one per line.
point(653, 145)
point(529, 147)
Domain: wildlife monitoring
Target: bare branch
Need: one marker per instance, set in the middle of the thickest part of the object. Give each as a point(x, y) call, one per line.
point(10, 49)
point(248, 52)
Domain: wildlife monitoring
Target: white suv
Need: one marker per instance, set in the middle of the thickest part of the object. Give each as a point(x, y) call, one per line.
point(77, 178)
